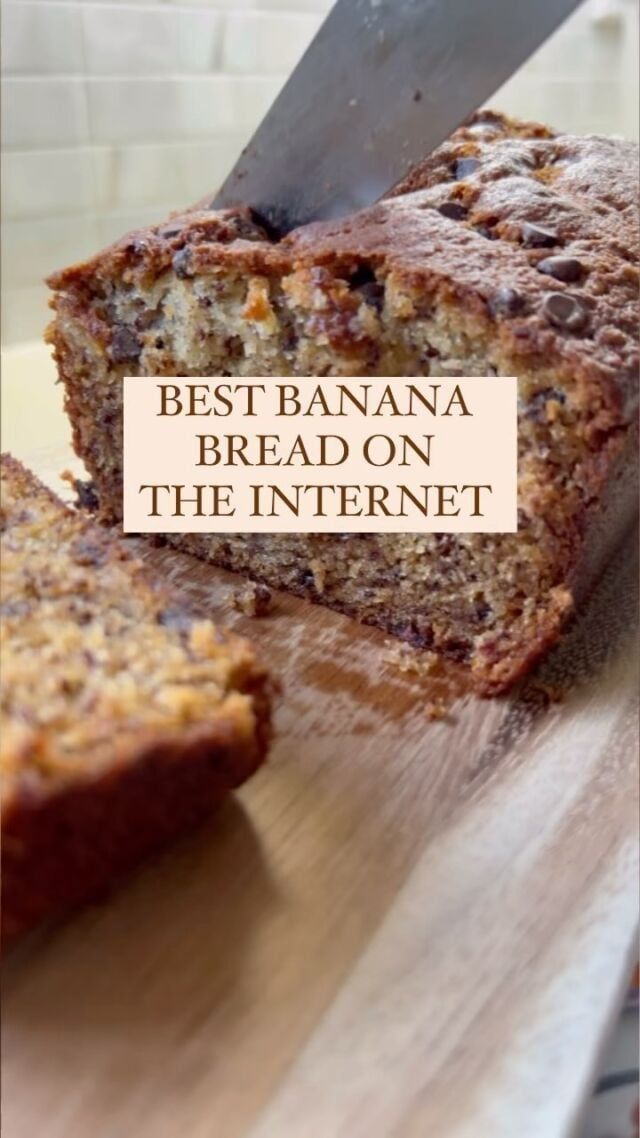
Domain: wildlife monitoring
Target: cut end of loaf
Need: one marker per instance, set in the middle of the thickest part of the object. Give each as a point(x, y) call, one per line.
point(124, 720)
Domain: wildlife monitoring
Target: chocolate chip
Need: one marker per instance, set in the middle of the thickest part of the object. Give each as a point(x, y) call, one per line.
point(466, 166)
point(456, 211)
point(181, 263)
point(137, 245)
point(169, 231)
point(482, 610)
point(535, 237)
point(536, 407)
point(363, 281)
point(445, 543)
point(86, 496)
point(245, 228)
point(88, 552)
point(486, 231)
point(373, 294)
point(289, 339)
point(362, 275)
point(567, 269)
point(487, 116)
point(412, 633)
point(125, 345)
point(457, 650)
point(430, 353)
point(505, 302)
point(566, 312)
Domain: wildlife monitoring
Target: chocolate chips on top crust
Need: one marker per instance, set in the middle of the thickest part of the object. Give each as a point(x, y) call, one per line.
point(567, 269)
point(533, 208)
point(536, 237)
point(566, 312)
point(454, 210)
point(506, 302)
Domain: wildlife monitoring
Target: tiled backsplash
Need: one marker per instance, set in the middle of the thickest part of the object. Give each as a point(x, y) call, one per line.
point(114, 113)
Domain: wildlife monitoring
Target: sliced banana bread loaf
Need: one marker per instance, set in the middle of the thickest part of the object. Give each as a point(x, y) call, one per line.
point(123, 720)
point(512, 250)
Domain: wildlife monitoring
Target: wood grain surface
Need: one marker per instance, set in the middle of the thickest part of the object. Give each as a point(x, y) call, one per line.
point(399, 929)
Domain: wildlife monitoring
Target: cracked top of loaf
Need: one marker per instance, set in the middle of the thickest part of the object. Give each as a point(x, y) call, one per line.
point(533, 232)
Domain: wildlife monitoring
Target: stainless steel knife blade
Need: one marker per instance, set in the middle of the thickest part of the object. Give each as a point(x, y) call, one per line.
point(381, 85)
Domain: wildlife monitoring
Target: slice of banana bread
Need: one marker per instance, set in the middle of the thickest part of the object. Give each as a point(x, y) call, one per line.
point(124, 721)
point(511, 250)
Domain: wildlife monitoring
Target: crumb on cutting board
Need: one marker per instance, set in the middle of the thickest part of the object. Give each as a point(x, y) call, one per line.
point(416, 662)
point(411, 661)
point(436, 709)
point(253, 599)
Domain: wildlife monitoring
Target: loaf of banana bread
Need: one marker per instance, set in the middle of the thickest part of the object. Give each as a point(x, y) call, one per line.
point(124, 721)
point(512, 250)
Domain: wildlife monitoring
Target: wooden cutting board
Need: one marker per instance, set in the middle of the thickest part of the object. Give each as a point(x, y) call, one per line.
point(399, 929)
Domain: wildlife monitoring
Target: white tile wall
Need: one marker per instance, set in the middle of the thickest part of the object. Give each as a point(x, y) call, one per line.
point(172, 108)
point(44, 111)
point(48, 183)
point(266, 43)
point(151, 40)
point(115, 111)
point(35, 40)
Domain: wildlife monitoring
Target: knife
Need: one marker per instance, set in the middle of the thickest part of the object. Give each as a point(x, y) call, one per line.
point(382, 84)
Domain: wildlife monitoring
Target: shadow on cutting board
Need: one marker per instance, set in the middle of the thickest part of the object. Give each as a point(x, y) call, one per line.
point(118, 963)
point(175, 945)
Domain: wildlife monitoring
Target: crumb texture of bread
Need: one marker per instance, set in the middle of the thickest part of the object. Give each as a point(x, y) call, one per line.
point(511, 250)
point(124, 720)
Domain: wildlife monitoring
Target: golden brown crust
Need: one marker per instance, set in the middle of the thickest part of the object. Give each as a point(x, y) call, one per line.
point(113, 699)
